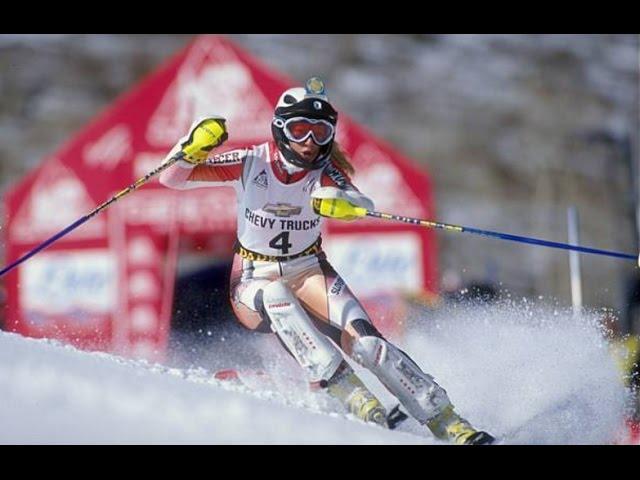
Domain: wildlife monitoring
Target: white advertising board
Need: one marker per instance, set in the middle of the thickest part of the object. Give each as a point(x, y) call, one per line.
point(371, 263)
point(73, 281)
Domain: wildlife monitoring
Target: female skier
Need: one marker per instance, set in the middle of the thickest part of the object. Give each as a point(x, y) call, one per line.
point(281, 281)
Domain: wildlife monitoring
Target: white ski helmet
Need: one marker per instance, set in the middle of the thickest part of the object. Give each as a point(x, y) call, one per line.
point(311, 106)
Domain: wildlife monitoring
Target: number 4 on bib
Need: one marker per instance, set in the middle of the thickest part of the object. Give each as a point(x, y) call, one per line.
point(281, 242)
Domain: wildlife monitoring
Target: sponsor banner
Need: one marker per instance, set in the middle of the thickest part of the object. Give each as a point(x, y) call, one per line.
point(374, 262)
point(79, 284)
point(60, 282)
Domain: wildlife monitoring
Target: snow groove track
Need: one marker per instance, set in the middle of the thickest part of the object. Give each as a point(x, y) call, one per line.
point(54, 394)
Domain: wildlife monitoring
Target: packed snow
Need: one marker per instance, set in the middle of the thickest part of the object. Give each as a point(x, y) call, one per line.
point(527, 374)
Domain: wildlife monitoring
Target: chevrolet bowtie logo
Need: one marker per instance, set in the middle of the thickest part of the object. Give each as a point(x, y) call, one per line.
point(282, 209)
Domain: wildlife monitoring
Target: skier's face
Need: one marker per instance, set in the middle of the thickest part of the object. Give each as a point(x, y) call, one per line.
point(308, 149)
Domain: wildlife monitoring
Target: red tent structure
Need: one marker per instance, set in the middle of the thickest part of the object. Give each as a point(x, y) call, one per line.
point(109, 285)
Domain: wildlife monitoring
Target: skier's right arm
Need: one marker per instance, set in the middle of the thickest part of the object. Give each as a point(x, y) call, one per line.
point(220, 169)
point(203, 169)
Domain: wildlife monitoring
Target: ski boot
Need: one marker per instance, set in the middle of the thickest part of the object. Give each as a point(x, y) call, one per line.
point(452, 427)
point(356, 397)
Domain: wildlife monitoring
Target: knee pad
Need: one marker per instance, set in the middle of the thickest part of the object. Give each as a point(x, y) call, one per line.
point(416, 390)
point(365, 328)
point(317, 355)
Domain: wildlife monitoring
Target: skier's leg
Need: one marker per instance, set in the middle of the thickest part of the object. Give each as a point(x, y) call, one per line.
point(416, 390)
point(314, 351)
point(248, 283)
point(312, 290)
point(264, 303)
point(258, 296)
point(317, 355)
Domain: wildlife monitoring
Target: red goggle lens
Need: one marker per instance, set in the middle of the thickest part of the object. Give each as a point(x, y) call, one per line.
point(299, 130)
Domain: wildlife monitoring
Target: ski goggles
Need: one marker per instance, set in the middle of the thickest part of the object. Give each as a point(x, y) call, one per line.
point(299, 129)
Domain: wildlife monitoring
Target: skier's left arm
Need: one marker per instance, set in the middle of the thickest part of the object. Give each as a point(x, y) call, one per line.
point(336, 184)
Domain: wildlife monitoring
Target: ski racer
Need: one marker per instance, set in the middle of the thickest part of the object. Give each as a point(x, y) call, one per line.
point(281, 280)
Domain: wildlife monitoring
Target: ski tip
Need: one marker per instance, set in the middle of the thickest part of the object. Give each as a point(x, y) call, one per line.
point(229, 374)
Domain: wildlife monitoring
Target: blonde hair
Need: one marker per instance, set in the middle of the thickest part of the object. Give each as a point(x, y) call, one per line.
point(340, 159)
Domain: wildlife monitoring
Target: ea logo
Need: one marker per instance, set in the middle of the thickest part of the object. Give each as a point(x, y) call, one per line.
point(317, 105)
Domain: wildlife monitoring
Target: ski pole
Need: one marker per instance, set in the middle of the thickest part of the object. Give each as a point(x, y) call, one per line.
point(201, 140)
point(342, 209)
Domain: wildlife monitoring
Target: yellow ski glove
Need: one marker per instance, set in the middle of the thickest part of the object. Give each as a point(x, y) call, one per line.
point(332, 202)
point(204, 136)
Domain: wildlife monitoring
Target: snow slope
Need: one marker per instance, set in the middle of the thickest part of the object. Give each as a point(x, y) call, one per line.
point(526, 373)
point(57, 394)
